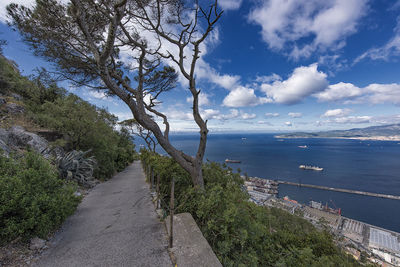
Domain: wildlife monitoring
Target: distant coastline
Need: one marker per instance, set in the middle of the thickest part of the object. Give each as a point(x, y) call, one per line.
point(362, 138)
point(374, 133)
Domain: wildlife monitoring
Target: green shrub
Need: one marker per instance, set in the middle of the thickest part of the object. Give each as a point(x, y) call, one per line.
point(240, 232)
point(33, 200)
point(87, 127)
point(34, 91)
point(82, 125)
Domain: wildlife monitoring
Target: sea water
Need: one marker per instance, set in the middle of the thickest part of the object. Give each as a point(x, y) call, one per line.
point(371, 166)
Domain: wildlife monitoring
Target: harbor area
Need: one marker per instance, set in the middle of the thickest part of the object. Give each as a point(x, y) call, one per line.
point(357, 238)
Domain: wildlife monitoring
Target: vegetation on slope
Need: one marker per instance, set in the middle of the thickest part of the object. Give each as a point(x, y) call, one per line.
point(33, 200)
point(240, 232)
point(78, 124)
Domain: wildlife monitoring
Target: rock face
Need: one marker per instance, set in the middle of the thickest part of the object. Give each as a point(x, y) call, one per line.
point(2, 101)
point(37, 243)
point(14, 108)
point(22, 138)
point(3, 142)
point(16, 96)
point(4, 148)
point(17, 138)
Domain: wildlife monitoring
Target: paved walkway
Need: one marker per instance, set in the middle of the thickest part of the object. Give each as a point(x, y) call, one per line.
point(115, 225)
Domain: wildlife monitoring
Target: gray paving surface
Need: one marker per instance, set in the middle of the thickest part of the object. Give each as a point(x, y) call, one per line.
point(115, 225)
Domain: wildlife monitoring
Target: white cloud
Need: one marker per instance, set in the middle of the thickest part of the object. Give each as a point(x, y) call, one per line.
point(236, 114)
point(123, 115)
point(387, 119)
point(373, 93)
point(339, 112)
point(303, 82)
point(382, 93)
point(5, 3)
point(203, 99)
point(269, 115)
point(352, 119)
point(230, 4)
point(247, 116)
point(288, 123)
point(203, 70)
point(295, 114)
point(226, 81)
point(387, 51)
point(333, 62)
point(243, 97)
point(264, 122)
point(174, 114)
point(210, 114)
point(267, 79)
point(339, 91)
point(328, 23)
point(98, 94)
point(306, 81)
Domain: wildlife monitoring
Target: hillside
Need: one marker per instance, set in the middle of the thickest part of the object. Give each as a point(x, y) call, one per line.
point(58, 120)
point(53, 147)
point(385, 132)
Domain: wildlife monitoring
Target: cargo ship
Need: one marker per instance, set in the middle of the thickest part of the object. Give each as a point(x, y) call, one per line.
point(232, 161)
point(308, 167)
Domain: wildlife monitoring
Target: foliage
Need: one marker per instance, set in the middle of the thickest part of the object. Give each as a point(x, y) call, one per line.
point(88, 127)
point(136, 129)
point(240, 232)
point(90, 51)
point(75, 166)
point(82, 126)
point(33, 91)
point(33, 200)
point(2, 43)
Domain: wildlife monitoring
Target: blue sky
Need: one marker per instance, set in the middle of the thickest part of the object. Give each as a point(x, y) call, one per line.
point(274, 65)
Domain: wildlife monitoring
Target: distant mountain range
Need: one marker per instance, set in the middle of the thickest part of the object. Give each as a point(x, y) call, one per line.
point(384, 132)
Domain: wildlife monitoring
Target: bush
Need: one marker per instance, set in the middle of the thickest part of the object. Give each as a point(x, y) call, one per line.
point(240, 232)
point(33, 200)
point(87, 127)
point(82, 126)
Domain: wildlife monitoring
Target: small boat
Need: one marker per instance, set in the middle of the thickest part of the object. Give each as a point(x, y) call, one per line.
point(244, 138)
point(232, 161)
point(303, 146)
point(308, 167)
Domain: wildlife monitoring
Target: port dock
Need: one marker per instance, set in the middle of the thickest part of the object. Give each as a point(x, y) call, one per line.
point(349, 191)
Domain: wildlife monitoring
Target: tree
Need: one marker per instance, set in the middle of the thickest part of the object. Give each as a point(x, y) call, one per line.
point(88, 41)
point(2, 43)
point(136, 129)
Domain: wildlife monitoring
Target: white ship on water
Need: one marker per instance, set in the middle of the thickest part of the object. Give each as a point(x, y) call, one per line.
point(232, 161)
point(308, 167)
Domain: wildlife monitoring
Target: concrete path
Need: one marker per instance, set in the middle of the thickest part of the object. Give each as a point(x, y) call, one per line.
point(115, 225)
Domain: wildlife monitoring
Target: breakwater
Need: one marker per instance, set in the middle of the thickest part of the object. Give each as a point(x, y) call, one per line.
point(349, 191)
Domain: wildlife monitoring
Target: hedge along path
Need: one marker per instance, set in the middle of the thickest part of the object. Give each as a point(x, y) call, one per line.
point(115, 225)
